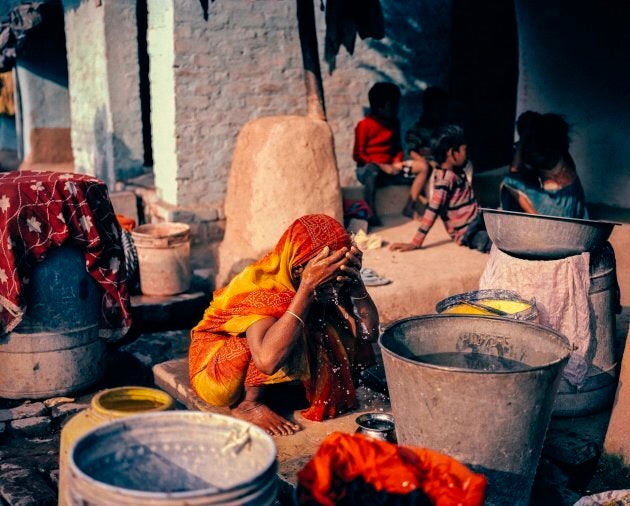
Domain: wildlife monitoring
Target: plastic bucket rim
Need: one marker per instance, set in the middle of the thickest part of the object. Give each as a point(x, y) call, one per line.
point(563, 340)
point(180, 230)
point(74, 469)
point(166, 400)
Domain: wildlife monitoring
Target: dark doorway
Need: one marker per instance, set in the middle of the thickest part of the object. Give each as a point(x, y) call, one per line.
point(145, 91)
point(484, 77)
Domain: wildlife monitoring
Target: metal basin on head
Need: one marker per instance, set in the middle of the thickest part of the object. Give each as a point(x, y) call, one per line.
point(540, 237)
point(492, 418)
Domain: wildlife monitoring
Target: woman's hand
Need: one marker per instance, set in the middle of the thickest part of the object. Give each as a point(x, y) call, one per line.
point(324, 267)
point(351, 272)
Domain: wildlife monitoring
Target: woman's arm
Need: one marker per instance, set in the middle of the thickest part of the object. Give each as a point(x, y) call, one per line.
point(271, 340)
point(363, 307)
point(521, 199)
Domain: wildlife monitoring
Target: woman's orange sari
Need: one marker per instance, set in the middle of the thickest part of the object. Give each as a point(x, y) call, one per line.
point(220, 362)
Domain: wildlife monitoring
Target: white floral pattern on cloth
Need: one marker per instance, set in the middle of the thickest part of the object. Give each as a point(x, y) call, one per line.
point(44, 210)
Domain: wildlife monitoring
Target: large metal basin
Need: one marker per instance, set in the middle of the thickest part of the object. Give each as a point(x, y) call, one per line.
point(540, 237)
point(491, 420)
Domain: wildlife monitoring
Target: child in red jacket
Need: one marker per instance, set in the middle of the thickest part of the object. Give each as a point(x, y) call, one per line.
point(377, 146)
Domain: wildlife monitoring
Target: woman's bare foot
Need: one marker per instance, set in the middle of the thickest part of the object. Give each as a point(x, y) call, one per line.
point(259, 414)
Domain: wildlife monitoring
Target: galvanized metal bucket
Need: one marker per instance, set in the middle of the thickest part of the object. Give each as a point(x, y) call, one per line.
point(171, 459)
point(56, 349)
point(494, 421)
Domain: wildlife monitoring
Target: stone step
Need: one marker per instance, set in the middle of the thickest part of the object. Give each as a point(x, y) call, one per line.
point(172, 311)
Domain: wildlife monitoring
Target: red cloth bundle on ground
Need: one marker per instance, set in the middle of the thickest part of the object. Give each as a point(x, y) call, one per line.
point(356, 469)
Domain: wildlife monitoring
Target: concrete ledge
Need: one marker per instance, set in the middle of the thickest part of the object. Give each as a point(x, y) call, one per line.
point(389, 199)
point(421, 278)
point(125, 203)
point(182, 309)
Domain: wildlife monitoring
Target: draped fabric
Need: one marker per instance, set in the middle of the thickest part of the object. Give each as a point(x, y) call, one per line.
point(7, 94)
point(385, 473)
point(42, 210)
point(220, 362)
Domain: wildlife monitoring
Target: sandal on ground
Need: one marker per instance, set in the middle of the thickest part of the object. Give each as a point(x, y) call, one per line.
point(371, 278)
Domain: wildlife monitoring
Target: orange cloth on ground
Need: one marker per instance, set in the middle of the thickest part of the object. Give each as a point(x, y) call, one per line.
point(220, 362)
point(342, 458)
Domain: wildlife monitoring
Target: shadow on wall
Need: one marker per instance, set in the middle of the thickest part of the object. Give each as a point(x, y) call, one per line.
point(111, 157)
point(417, 42)
point(467, 48)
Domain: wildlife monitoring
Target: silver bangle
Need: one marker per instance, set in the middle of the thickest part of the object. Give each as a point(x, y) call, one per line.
point(300, 319)
point(359, 298)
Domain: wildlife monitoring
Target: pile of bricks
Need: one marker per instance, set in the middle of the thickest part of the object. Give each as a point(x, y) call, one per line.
point(29, 455)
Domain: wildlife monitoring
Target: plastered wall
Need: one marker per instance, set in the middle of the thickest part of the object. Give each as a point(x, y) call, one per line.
point(244, 62)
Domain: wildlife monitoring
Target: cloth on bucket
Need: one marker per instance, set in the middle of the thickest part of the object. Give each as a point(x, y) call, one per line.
point(44, 210)
point(356, 469)
point(560, 288)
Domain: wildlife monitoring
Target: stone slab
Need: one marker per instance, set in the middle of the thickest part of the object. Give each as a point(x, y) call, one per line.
point(293, 451)
point(32, 427)
point(26, 410)
point(157, 312)
point(617, 440)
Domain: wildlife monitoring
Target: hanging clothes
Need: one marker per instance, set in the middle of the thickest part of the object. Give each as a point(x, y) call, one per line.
point(7, 94)
point(347, 18)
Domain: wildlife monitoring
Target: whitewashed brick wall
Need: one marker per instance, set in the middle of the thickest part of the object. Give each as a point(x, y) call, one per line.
point(244, 62)
point(101, 45)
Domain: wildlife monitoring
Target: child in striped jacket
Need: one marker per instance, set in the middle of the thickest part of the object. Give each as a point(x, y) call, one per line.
point(452, 198)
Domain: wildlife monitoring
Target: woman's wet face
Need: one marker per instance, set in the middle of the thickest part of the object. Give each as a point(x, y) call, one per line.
point(329, 292)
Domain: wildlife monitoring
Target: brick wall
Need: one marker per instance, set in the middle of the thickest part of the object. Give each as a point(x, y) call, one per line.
point(101, 46)
point(245, 62)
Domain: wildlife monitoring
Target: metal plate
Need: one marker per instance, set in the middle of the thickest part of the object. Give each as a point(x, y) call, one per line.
point(540, 237)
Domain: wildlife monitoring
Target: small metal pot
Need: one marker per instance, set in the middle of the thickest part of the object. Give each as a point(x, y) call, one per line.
point(377, 425)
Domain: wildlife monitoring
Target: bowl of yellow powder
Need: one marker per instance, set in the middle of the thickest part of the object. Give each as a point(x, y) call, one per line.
point(507, 301)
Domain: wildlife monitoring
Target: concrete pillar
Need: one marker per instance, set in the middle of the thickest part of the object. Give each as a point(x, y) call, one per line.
point(102, 48)
point(43, 99)
point(161, 48)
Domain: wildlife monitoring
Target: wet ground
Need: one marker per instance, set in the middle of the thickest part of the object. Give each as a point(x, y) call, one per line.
point(570, 466)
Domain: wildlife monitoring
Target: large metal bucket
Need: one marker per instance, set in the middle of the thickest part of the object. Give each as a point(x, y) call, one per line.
point(493, 421)
point(173, 459)
point(598, 391)
point(55, 350)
